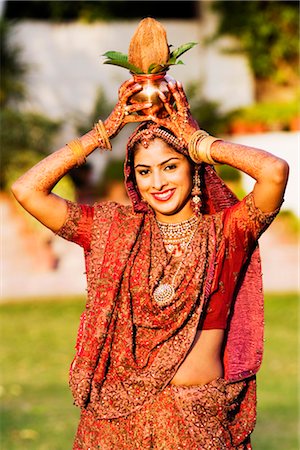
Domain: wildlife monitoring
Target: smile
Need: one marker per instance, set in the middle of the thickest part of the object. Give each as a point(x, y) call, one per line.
point(163, 196)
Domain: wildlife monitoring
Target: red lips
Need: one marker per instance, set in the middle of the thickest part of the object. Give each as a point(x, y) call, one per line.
point(163, 196)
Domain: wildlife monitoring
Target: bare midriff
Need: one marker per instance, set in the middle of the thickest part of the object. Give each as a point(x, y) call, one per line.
point(203, 362)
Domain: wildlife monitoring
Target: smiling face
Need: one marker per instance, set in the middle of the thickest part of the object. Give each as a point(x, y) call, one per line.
point(164, 180)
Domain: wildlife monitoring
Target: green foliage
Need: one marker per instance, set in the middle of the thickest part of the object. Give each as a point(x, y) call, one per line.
point(12, 69)
point(102, 108)
point(278, 383)
point(91, 11)
point(291, 223)
point(37, 409)
point(206, 112)
point(121, 60)
point(25, 138)
point(267, 31)
point(274, 115)
point(229, 173)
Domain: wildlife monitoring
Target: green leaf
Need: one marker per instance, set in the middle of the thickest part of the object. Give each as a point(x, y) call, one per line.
point(182, 49)
point(115, 55)
point(156, 68)
point(123, 63)
point(171, 60)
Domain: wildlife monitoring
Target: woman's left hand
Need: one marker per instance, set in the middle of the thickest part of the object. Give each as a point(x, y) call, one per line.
point(124, 112)
point(179, 119)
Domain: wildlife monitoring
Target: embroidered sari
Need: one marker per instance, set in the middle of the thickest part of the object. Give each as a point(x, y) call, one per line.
point(128, 348)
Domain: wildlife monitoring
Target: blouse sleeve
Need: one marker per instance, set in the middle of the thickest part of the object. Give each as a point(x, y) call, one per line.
point(78, 224)
point(244, 222)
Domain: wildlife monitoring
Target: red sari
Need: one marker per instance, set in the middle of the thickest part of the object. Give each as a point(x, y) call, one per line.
point(129, 348)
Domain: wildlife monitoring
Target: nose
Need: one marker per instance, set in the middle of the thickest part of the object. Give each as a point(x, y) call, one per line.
point(158, 180)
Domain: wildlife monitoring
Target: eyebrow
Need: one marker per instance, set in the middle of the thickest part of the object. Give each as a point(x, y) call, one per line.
point(161, 164)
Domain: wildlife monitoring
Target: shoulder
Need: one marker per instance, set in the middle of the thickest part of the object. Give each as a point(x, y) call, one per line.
point(109, 210)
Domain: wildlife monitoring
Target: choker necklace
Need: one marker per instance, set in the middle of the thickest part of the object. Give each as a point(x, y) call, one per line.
point(176, 235)
point(164, 293)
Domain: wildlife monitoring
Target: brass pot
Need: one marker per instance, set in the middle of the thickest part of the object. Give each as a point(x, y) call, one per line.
point(152, 84)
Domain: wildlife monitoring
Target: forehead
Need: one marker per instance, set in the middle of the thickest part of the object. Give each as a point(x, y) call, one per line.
point(157, 152)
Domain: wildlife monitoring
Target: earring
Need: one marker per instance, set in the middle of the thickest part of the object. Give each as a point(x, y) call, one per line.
point(196, 192)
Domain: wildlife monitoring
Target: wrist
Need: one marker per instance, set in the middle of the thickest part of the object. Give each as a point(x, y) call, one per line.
point(83, 146)
point(102, 135)
point(199, 147)
point(90, 141)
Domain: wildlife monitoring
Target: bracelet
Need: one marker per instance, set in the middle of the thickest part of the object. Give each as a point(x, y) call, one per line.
point(102, 135)
point(78, 151)
point(198, 136)
point(199, 147)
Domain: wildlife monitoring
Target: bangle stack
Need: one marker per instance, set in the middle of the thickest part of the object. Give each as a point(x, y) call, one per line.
point(102, 135)
point(200, 147)
point(78, 151)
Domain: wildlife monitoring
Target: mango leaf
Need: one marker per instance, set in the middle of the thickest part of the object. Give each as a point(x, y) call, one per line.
point(182, 49)
point(156, 68)
point(125, 64)
point(171, 60)
point(115, 55)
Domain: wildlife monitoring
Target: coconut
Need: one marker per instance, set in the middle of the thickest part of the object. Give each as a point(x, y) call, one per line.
point(148, 45)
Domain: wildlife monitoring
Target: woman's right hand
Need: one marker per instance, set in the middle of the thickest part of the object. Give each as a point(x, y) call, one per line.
point(178, 119)
point(124, 112)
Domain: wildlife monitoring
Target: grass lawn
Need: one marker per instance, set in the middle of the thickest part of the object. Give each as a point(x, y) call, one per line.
point(37, 347)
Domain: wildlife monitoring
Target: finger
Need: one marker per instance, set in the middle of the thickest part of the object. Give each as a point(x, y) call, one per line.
point(132, 108)
point(169, 108)
point(181, 102)
point(182, 94)
point(173, 88)
point(129, 90)
point(136, 118)
point(161, 121)
point(124, 86)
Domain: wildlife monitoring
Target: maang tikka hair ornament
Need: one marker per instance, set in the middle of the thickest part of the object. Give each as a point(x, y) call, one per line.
point(196, 192)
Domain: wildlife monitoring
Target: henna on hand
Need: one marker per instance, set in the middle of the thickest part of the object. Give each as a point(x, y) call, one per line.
point(179, 119)
point(124, 112)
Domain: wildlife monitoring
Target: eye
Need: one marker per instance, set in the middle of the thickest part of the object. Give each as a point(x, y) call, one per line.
point(171, 167)
point(143, 172)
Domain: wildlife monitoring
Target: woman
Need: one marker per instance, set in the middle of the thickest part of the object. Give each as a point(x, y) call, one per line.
point(171, 336)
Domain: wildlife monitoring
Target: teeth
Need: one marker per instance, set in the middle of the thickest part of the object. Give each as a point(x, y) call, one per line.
point(164, 195)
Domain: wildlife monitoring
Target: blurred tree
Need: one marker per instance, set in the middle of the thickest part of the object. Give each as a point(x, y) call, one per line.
point(268, 33)
point(206, 112)
point(25, 137)
point(102, 108)
point(12, 69)
point(99, 10)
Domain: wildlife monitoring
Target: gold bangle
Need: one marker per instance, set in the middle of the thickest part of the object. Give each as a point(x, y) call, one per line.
point(102, 135)
point(200, 146)
point(197, 137)
point(204, 148)
point(78, 151)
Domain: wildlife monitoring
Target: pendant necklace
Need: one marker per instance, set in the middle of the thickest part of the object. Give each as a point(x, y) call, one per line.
point(164, 293)
point(176, 235)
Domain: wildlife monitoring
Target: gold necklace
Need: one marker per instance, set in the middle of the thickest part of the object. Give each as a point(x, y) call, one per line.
point(164, 293)
point(176, 235)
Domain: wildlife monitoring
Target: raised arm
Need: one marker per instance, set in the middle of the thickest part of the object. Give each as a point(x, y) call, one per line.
point(33, 189)
point(269, 171)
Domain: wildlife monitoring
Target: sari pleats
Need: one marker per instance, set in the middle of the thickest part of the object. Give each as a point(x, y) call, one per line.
point(179, 417)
